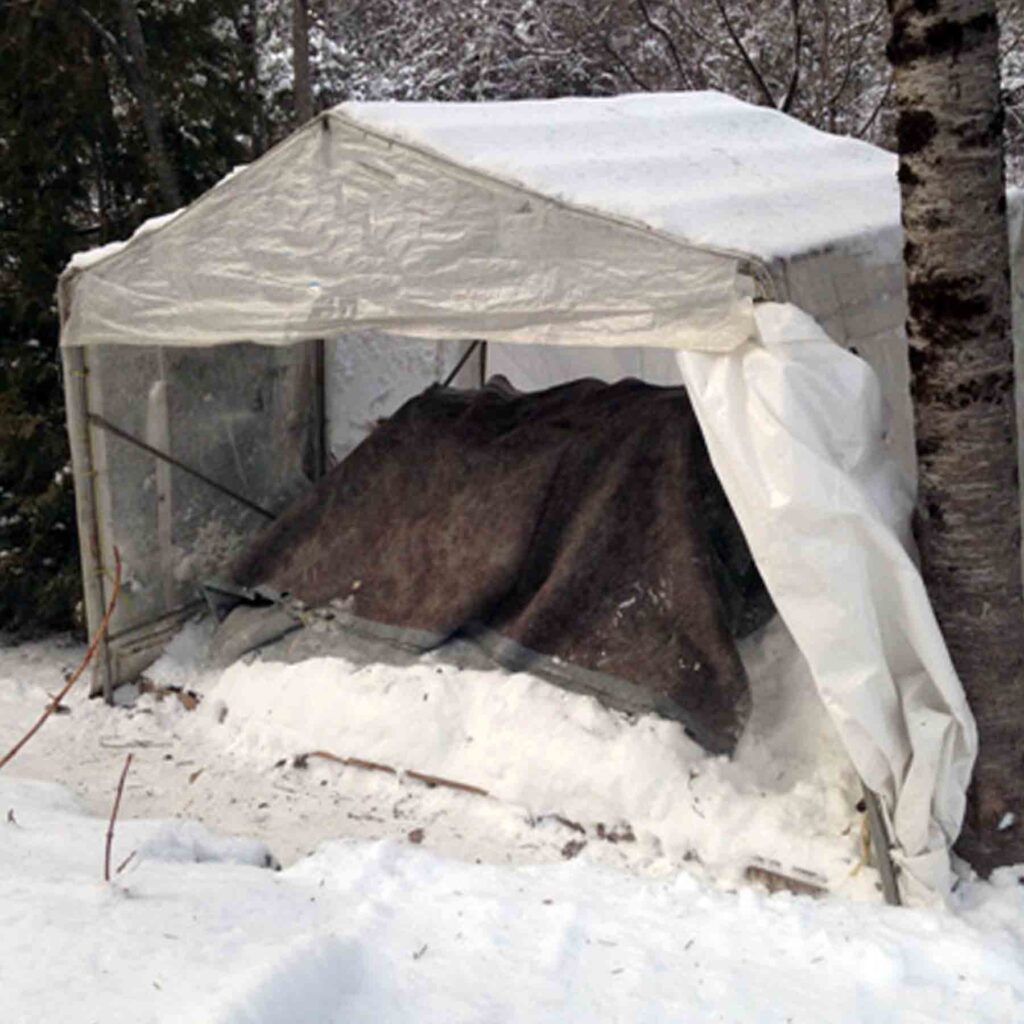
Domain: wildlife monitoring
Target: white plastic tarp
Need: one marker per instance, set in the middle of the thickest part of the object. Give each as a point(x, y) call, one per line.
point(340, 228)
point(794, 426)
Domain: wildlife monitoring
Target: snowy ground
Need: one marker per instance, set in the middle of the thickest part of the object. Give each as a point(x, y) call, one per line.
point(601, 877)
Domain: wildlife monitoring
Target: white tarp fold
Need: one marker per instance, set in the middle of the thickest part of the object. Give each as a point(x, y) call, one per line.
point(794, 425)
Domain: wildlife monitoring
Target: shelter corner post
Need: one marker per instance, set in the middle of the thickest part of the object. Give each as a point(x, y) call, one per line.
point(76, 397)
point(320, 432)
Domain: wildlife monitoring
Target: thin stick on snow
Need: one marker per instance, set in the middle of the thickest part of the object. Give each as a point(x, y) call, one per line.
point(126, 862)
point(373, 766)
point(73, 678)
point(113, 818)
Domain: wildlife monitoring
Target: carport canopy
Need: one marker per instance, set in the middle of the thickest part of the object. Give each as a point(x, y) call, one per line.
point(642, 221)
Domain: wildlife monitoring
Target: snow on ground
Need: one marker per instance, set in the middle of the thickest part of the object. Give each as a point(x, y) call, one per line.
point(556, 765)
point(599, 879)
point(383, 932)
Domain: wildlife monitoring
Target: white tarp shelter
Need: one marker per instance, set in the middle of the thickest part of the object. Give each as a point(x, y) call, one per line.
point(675, 237)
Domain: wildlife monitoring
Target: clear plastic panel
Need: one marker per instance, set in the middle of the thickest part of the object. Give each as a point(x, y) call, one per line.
point(245, 416)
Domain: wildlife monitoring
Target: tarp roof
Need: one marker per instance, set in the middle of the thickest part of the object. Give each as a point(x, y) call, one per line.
point(703, 167)
point(622, 221)
point(635, 221)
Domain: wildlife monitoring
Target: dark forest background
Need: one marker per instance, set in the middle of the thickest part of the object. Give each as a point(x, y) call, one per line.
point(113, 111)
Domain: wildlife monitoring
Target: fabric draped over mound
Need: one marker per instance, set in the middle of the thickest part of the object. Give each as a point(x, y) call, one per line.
point(582, 527)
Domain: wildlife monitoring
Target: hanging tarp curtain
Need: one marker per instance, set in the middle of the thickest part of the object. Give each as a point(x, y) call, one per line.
point(794, 424)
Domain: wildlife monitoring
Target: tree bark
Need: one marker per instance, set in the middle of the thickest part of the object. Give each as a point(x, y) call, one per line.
point(131, 56)
point(300, 62)
point(152, 122)
point(949, 131)
point(247, 26)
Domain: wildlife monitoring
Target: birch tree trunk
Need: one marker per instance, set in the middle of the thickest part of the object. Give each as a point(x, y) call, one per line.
point(949, 130)
point(302, 83)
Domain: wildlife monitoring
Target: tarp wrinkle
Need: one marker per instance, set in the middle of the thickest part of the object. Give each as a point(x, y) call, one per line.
point(314, 239)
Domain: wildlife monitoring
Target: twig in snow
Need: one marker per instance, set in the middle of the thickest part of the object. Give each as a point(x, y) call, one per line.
point(573, 826)
point(436, 780)
point(113, 818)
point(126, 862)
point(302, 761)
point(73, 678)
point(777, 881)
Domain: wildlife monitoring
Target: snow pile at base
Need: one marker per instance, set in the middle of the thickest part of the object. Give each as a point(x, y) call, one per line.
point(566, 777)
point(382, 932)
point(542, 753)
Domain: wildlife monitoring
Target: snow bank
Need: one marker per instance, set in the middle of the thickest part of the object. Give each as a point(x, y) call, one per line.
point(541, 752)
point(195, 929)
point(543, 755)
point(382, 932)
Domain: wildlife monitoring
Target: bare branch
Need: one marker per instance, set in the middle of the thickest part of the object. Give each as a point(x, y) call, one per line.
point(633, 76)
point(113, 818)
point(798, 32)
point(754, 70)
point(109, 40)
point(73, 678)
point(302, 86)
point(866, 126)
point(666, 37)
point(131, 57)
point(853, 58)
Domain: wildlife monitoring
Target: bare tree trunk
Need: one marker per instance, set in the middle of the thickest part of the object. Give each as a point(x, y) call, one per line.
point(131, 56)
point(945, 59)
point(152, 123)
point(247, 27)
point(300, 62)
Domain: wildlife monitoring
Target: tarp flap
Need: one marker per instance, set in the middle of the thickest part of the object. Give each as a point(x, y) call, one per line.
point(340, 228)
point(794, 427)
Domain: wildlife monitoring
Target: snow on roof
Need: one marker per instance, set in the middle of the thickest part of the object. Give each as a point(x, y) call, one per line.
point(89, 257)
point(701, 166)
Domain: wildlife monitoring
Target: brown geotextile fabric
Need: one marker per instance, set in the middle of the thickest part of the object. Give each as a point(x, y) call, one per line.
point(583, 523)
